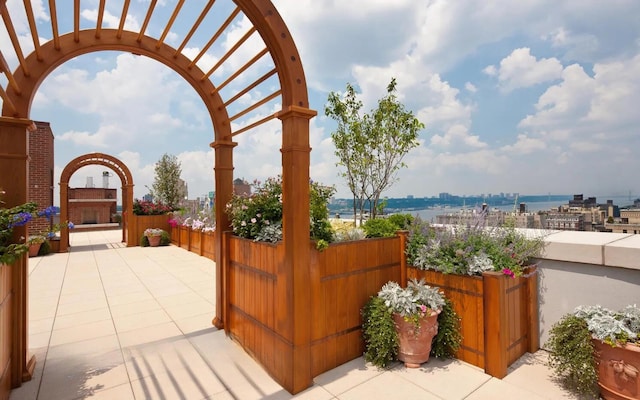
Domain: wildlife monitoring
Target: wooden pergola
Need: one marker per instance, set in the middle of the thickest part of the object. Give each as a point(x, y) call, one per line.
point(285, 73)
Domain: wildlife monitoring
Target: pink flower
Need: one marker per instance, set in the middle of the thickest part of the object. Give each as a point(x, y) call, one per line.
point(423, 308)
point(508, 272)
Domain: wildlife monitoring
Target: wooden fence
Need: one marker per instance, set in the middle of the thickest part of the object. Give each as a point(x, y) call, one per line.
point(499, 313)
point(201, 243)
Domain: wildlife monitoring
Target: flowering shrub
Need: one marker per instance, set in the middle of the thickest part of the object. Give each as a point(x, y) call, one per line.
point(472, 249)
point(153, 232)
point(141, 207)
point(259, 216)
point(11, 218)
point(202, 221)
point(49, 213)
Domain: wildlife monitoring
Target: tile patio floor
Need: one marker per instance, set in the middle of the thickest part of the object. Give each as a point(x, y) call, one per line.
point(110, 322)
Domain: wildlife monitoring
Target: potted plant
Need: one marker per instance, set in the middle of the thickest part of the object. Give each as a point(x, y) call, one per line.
point(403, 322)
point(153, 236)
point(595, 349)
point(34, 242)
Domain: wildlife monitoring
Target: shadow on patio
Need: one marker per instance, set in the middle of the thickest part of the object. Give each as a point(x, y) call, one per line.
point(107, 321)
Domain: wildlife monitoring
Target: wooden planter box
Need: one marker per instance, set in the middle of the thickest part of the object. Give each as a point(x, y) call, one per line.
point(175, 235)
point(195, 242)
point(499, 315)
point(139, 223)
point(207, 246)
point(343, 277)
point(185, 236)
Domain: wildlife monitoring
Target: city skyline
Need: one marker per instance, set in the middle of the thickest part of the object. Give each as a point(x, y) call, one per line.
point(534, 97)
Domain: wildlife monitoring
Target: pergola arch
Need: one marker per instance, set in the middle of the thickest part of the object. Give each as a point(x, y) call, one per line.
point(23, 82)
point(116, 166)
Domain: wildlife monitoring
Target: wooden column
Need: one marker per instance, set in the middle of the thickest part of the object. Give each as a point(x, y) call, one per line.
point(403, 257)
point(496, 333)
point(64, 216)
point(223, 171)
point(14, 180)
point(127, 217)
point(295, 224)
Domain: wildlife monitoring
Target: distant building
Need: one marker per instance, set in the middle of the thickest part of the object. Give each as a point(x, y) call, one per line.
point(629, 221)
point(91, 205)
point(241, 187)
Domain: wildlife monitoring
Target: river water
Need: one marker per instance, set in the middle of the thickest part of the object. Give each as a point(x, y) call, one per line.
point(430, 214)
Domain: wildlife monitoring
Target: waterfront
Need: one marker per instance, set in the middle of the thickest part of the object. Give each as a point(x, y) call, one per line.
point(430, 214)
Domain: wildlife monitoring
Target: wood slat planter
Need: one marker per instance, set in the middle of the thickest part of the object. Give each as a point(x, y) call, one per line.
point(499, 315)
point(201, 243)
point(185, 237)
point(207, 247)
point(175, 235)
point(343, 277)
point(139, 223)
point(6, 305)
point(195, 242)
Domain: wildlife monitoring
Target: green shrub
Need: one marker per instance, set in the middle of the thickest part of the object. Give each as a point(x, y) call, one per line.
point(144, 241)
point(165, 239)
point(379, 227)
point(448, 339)
point(572, 354)
point(45, 248)
point(379, 332)
point(401, 221)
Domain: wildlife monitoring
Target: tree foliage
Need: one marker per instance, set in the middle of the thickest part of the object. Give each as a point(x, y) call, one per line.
point(371, 146)
point(167, 186)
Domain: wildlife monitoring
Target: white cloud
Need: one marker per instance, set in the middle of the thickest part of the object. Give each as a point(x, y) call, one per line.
point(520, 70)
point(470, 87)
point(525, 145)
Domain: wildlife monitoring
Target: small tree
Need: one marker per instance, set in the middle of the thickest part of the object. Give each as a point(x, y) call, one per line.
point(371, 146)
point(167, 186)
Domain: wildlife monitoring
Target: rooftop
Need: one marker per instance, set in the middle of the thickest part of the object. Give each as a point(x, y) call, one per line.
point(107, 322)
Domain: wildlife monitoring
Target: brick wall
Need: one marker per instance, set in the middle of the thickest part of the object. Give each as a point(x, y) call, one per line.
point(40, 172)
point(91, 205)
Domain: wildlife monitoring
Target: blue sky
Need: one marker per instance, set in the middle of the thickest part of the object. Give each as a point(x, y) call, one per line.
point(534, 97)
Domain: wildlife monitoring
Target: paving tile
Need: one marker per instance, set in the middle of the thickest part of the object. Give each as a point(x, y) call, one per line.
point(131, 297)
point(81, 318)
point(183, 311)
point(72, 308)
point(72, 377)
point(134, 308)
point(530, 372)
point(178, 299)
point(388, 386)
point(196, 323)
point(78, 333)
point(347, 376)
point(141, 320)
point(449, 379)
point(167, 330)
point(497, 389)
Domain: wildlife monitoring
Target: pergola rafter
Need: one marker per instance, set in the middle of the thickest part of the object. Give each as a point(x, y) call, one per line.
point(271, 73)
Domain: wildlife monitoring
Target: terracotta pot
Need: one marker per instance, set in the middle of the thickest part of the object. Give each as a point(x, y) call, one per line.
point(34, 249)
point(154, 241)
point(415, 344)
point(618, 371)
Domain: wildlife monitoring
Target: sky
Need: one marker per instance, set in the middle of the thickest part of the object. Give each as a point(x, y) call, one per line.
point(532, 97)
